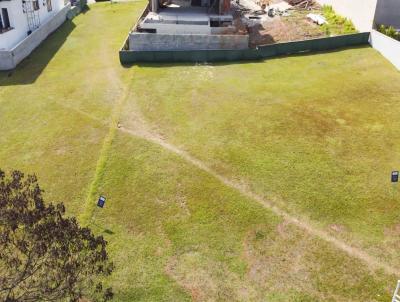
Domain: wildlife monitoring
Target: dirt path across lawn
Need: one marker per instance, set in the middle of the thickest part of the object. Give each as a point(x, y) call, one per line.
point(371, 261)
point(144, 131)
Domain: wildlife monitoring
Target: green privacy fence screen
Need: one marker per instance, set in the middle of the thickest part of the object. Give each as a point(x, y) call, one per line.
point(261, 52)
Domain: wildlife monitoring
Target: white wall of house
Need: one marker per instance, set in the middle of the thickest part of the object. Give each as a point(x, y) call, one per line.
point(18, 24)
point(10, 58)
point(361, 12)
point(18, 20)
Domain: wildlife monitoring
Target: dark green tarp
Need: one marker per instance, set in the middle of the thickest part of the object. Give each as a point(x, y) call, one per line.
point(261, 52)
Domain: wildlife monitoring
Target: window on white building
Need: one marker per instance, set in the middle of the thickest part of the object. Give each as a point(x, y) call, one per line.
point(4, 21)
point(49, 5)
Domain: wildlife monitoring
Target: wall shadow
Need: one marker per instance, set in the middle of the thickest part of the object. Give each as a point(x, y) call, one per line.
point(33, 65)
point(85, 9)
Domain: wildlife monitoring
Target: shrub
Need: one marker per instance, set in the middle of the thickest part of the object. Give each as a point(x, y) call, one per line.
point(389, 31)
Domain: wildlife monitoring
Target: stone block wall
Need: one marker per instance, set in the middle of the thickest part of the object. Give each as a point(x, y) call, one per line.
point(158, 42)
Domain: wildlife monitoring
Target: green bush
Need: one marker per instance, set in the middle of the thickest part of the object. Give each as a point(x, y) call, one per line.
point(389, 31)
point(336, 25)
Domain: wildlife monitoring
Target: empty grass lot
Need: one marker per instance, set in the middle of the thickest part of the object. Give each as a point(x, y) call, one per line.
point(256, 181)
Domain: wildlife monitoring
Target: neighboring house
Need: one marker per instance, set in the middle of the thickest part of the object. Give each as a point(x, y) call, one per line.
point(19, 18)
point(24, 24)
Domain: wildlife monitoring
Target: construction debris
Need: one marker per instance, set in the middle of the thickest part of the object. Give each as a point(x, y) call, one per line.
point(316, 18)
point(274, 21)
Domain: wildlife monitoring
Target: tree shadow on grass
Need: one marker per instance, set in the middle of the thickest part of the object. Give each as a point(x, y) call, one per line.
point(85, 9)
point(108, 231)
point(28, 71)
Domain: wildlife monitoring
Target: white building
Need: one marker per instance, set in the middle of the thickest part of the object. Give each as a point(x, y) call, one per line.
point(19, 18)
point(24, 24)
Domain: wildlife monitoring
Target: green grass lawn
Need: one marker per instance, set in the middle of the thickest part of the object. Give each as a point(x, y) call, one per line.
point(315, 134)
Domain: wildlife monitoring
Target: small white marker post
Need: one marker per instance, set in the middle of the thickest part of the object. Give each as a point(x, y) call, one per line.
point(396, 295)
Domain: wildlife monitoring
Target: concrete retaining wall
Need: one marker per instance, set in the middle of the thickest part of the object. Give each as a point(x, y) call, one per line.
point(361, 12)
point(388, 47)
point(127, 56)
point(19, 22)
point(10, 59)
point(6, 60)
point(157, 42)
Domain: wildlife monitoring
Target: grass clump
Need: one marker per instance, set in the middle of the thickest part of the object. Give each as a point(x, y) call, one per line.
point(389, 31)
point(336, 24)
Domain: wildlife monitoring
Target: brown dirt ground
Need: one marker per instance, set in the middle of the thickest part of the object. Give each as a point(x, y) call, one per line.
point(284, 29)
